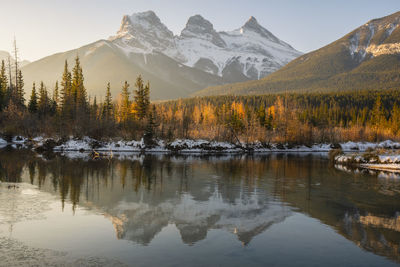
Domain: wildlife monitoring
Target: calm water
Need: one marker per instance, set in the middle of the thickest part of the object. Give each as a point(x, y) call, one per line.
point(160, 210)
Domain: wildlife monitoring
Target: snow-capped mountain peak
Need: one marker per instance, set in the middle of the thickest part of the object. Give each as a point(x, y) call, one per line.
point(252, 23)
point(143, 33)
point(253, 26)
point(250, 52)
point(198, 27)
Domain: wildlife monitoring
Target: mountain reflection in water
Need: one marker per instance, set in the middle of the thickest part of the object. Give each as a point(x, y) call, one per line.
point(243, 195)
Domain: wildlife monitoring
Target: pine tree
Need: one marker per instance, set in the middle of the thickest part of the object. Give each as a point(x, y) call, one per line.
point(43, 104)
point(126, 103)
point(3, 85)
point(149, 133)
point(107, 106)
point(77, 88)
point(20, 89)
point(66, 98)
point(33, 104)
point(95, 108)
point(395, 119)
point(142, 98)
point(378, 118)
point(56, 95)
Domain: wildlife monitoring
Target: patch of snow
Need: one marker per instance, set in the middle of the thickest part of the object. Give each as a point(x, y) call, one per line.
point(75, 145)
point(384, 49)
point(354, 41)
point(391, 28)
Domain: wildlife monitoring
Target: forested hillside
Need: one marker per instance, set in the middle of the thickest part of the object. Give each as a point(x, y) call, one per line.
point(367, 58)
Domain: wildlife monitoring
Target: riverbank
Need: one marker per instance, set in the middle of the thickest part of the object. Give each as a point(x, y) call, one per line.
point(373, 159)
point(86, 144)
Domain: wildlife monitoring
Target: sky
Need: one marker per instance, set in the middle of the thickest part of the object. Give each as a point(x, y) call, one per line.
point(45, 27)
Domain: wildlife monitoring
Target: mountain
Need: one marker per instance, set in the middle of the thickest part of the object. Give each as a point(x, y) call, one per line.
point(5, 55)
point(176, 66)
point(366, 58)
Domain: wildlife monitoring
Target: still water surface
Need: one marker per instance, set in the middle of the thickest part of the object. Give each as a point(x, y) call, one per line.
point(161, 210)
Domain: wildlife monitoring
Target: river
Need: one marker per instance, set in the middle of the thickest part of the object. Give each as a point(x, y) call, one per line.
point(218, 210)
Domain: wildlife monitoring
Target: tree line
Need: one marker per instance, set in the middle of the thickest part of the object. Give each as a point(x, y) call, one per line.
point(67, 110)
point(306, 118)
point(297, 118)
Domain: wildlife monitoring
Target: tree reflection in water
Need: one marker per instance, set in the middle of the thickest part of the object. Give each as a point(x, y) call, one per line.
point(245, 195)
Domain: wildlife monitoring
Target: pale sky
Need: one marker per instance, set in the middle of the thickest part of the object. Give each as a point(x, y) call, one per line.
point(45, 27)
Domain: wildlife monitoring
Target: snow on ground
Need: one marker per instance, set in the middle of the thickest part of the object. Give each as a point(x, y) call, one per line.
point(87, 144)
point(75, 145)
point(388, 159)
point(384, 160)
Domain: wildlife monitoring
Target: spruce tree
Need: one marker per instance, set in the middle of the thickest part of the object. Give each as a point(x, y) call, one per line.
point(78, 89)
point(95, 108)
point(43, 104)
point(66, 98)
point(107, 106)
point(126, 103)
point(378, 118)
point(142, 98)
point(149, 133)
point(20, 89)
point(395, 119)
point(56, 94)
point(33, 103)
point(3, 85)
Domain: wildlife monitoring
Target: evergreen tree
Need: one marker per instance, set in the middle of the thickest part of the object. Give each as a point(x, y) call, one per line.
point(126, 103)
point(77, 88)
point(395, 119)
point(142, 98)
point(33, 103)
point(107, 105)
point(20, 89)
point(43, 104)
point(95, 108)
point(149, 133)
point(66, 98)
point(56, 95)
point(3, 85)
point(378, 118)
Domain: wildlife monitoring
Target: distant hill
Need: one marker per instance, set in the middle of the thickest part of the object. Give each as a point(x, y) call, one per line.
point(176, 66)
point(366, 58)
point(4, 56)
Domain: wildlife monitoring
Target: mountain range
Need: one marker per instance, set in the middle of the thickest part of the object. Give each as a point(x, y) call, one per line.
point(176, 66)
point(366, 58)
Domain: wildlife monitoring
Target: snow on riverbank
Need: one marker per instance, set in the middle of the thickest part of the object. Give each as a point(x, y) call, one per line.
point(87, 144)
point(393, 160)
point(384, 160)
point(201, 146)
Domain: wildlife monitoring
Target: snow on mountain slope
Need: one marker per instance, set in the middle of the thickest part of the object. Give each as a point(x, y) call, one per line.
point(144, 33)
point(374, 38)
point(250, 52)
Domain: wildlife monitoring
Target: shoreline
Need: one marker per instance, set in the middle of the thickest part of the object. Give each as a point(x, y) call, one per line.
point(183, 146)
point(383, 160)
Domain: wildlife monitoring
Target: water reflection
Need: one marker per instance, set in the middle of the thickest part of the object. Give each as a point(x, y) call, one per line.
point(243, 195)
